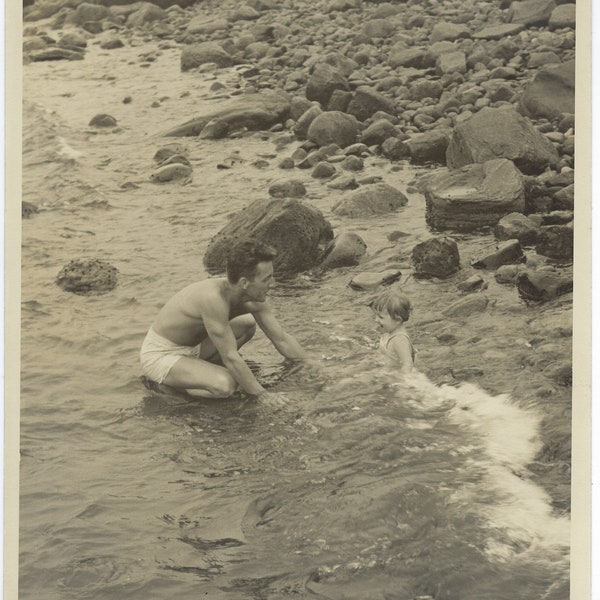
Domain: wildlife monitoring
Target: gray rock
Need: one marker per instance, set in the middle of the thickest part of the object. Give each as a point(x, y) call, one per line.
point(146, 13)
point(111, 42)
point(254, 112)
point(500, 133)
point(352, 163)
point(436, 257)
point(531, 12)
point(366, 102)
point(377, 132)
point(293, 188)
point(201, 24)
point(333, 127)
point(379, 28)
point(323, 170)
point(474, 196)
point(472, 284)
point(452, 62)
point(345, 250)
point(430, 146)
point(425, 88)
point(87, 277)
point(344, 182)
point(565, 198)
point(28, 209)
point(56, 53)
point(88, 12)
point(305, 121)
point(505, 253)
point(340, 100)
point(507, 274)
point(418, 58)
point(563, 16)
point(498, 32)
point(556, 241)
point(206, 52)
point(103, 120)
point(171, 172)
point(551, 92)
point(449, 32)
point(323, 81)
point(517, 226)
point(296, 230)
point(541, 286)
point(376, 199)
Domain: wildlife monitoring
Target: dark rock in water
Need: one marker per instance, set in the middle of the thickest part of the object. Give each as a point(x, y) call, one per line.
point(436, 257)
point(498, 32)
point(472, 284)
point(305, 121)
point(467, 306)
point(251, 111)
point(344, 182)
point(551, 92)
point(507, 274)
point(345, 250)
point(370, 280)
point(506, 253)
point(366, 102)
point(531, 12)
point(541, 286)
point(430, 146)
point(323, 81)
point(333, 127)
point(296, 230)
point(556, 241)
point(517, 226)
point(103, 120)
point(376, 199)
point(293, 188)
point(87, 277)
point(206, 52)
point(56, 53)
point(500, 133)
point(475, 196)
point(563, 16)
point(28, 209)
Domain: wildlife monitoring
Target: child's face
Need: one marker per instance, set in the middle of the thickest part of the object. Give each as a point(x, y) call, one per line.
point(385, 321)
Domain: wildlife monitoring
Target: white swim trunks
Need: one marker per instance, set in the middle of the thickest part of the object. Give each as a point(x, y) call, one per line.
point(158, 355)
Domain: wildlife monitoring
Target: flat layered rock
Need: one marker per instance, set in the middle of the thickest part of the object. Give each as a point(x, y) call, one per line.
point(474, 196)
point(498, 32)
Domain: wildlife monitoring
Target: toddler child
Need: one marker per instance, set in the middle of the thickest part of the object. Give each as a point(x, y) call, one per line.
point(392, 309)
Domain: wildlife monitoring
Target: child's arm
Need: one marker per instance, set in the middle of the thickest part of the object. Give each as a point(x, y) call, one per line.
point(402, 350)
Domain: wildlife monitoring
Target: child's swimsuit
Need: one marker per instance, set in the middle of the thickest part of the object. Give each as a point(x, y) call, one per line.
point(385, 340)
point(158, 355)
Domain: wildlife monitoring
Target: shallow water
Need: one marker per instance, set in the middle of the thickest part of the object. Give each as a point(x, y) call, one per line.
point(364, 487)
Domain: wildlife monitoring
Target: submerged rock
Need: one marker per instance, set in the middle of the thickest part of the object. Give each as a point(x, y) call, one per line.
point(293, 188)
point(436, 257)
point(103, 120)
point(541, 286)
point(251, 111)
point(376, 199)
point(296, 230)
point(506, 253)
point(500, 133)
point(370, 280)
point(467, 306)
point(517, 226)
point(345, 250)
point(87, 277)
point(476, 195)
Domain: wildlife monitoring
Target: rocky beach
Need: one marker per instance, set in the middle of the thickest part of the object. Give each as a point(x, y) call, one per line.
point(427, 145)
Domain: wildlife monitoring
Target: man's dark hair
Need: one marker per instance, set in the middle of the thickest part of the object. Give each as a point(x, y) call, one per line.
point(244, 256)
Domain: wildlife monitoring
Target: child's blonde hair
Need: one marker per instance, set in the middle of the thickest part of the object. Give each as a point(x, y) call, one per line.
point(397, 304)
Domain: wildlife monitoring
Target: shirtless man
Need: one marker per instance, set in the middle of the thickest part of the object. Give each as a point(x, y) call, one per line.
point(209, 321)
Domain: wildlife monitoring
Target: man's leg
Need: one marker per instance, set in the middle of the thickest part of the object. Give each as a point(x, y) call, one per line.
point(200, 376)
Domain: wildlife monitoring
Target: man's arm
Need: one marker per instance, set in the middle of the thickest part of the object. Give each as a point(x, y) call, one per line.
point(286, 344)
point(216, 322)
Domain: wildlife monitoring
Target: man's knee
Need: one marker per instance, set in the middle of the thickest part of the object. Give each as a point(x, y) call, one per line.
point(223, 385)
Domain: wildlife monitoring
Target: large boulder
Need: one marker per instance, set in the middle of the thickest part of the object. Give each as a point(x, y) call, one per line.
point(436, 257)
point(194, 55)
point(366, 102)
point(531, 12)
point(563, 16)
point(147, 13)
point(333, 127)
point(517, 226)
point(375, 199)
point(323, 80)
point(85, 277)
point(346, 250)
point(474, 196)
point(252, 111)
point(500, 133)
point(541, 286)
point(296, 230)
point(88, 12)
point(551, 92)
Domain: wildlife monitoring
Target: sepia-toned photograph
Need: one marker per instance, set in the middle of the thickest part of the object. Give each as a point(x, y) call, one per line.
point(300, 300)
